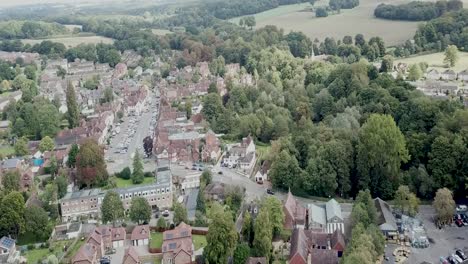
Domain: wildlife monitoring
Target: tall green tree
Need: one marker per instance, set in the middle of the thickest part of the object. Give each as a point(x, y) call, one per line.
point(451, 55)
point(406, 201)
point(241, 253)
point(46, 144)
point(444, 205)
point(140, 210)
point(21, 146)
point(73, 113)
point(247, 228)
point(37, 222)
point(285, 171)
point(72, 156)
point(11, 181)
point(263, 235)
point(365, 198)
point(112, 208)
point(275, 213)
point(138, 175)
point(221, 237)
point(12, 211)
point(381, 150)
point(180, 213)
point(90, 164)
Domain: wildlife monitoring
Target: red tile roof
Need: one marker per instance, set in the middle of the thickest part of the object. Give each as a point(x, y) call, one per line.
point(140, 232)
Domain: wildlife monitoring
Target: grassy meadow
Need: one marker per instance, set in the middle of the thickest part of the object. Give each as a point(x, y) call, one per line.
point(349, 22)
point(72, 40)
point(436, 60)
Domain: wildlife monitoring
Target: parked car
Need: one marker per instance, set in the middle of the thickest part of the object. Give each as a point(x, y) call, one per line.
point(461, 208)
point(220, 172)
point(270, 192)
point(443, 260)
point(451, 260)
point(165, 213)
point(459, 223)
point(457, 258)
point(461, 254)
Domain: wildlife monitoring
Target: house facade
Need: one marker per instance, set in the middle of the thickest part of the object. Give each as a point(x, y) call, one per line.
point(140, 235)
point(242, 155)
point(177, 247)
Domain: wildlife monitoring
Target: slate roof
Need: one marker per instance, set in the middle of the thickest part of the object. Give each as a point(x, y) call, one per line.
point(10, 163)
point(317, 214)
point(333, 209)
point(385, 220)
point(7, 243)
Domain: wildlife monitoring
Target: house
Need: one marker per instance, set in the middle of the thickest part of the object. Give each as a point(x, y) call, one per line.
point(242, 155)
point(87, 254)
point(449, 75)
point(131, 256)
point(11, 165)
point(177, 247)
point(67, 231)
point(252, 260)
point(433, 74)
point(8, 253)
point(262, 173)
point(334, 217)
point(189, 180)
point(295, 213)
point(118, 237)
point(140, 235)
point(385, 219)
point(215, 191)
point(463, 76)
point(313, 247)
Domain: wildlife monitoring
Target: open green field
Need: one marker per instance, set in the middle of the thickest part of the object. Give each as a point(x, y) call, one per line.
point(279, 11)
point(436, 60)
point(73, 41)
point(156, 240)
point(349, 22)
point(121, 183)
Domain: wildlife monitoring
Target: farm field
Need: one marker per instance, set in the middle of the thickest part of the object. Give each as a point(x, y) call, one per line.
point(73, 41)
point(436, 61)
point(349, 22)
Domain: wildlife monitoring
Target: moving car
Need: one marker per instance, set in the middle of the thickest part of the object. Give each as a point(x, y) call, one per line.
point(461, 254)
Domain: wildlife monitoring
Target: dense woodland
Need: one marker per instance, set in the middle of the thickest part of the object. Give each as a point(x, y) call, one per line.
point(30, 29)
point(417, 11)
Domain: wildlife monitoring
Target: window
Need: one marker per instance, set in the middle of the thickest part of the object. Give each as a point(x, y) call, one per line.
point(167, 189)
point(158, 191)
point(162, 190)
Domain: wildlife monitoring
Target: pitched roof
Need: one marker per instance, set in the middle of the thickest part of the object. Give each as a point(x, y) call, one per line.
point(317, 214)
point(333, 209)
point(320, 256)
point(337, 240)
point(298, 244)
point(85, 253)
point(140, 232)
point(118, 233)
point(131, 254)
point(385, 220)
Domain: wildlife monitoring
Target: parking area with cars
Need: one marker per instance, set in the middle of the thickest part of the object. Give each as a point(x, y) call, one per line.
point(127, 137)
point(444, 242)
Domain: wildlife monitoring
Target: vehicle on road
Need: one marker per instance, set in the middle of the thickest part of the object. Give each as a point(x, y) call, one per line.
point(165, 213)
point(220, 172)
point(461, 254)
point(457, 258)
point(269, 191)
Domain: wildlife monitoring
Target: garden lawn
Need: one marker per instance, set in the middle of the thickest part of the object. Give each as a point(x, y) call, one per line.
point(7, 150)
point(199, 241)
point(35, 255)
point(156, 240)
point(121, 183)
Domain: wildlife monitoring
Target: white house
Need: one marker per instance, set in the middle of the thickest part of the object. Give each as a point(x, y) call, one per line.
point(242, 155)
point(190, 180)
point(140, 235)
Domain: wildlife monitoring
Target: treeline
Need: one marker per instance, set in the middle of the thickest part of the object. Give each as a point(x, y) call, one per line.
point(230, 9)
point(30, 29)
point(416, 10)
point(343, 4)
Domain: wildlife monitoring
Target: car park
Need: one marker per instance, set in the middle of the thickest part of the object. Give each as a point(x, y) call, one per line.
point(461, 254)
point(457, 258)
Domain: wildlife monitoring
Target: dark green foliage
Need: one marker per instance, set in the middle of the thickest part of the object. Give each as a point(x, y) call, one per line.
point(417, 11)
point(321, 12)
point(241, 253)
point(125, 173)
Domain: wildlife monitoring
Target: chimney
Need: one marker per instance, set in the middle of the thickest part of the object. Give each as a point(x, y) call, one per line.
point(309, 258)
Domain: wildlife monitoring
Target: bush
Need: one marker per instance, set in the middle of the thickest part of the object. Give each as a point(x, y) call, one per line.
point(321, 12)
point(148, 174)
point(125, 174)
point(31, 247)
